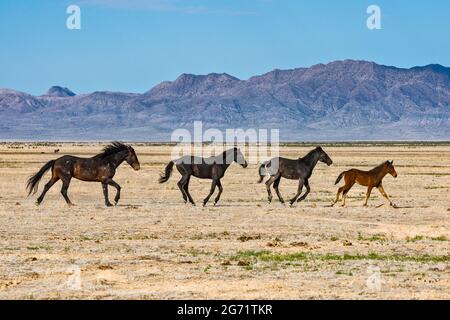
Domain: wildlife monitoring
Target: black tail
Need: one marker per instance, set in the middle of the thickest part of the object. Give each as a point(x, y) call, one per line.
point(340, 177)
point(263, 171)
point(33, 182)
point(168, 172)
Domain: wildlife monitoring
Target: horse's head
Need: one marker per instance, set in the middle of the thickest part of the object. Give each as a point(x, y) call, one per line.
point(132, 159)
point(323, 157)
point(390, 168)
point(238, 157)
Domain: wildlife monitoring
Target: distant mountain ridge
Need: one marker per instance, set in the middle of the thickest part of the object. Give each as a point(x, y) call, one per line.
point(341, 100)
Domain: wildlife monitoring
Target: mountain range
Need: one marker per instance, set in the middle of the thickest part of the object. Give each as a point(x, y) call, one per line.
point(341, 100)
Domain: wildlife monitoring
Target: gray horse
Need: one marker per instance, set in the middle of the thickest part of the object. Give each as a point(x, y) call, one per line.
point(298, 169)
point(204, 168)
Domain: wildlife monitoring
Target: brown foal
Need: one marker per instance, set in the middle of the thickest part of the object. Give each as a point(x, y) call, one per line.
point(371, 179)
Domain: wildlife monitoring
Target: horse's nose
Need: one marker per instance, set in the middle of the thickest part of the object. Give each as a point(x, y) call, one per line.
point(137, 167)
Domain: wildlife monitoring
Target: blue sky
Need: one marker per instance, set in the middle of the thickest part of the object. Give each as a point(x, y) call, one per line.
point(131, 45)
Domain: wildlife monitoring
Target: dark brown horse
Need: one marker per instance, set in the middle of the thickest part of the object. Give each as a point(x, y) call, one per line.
point(297, 169)
point(370, 179)
point(100, 168)
point(204, 168)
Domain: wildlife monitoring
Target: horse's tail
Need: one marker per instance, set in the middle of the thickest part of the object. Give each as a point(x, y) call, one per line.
point(33, 181)
point(339, 178)
point(167, 173)
point(263, 171)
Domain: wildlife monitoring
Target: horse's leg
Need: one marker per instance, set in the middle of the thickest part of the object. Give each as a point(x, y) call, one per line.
point(381, 189)
point(219, 184)
point(275, 186)
point(47, 187)
point(347, 188)
point(299, 191)
point(213, 187)
point(114, 184)
point(268, 184)
point(180, 185)
point(186, 189)
point(65, 187)
point(369, 190)
point(308, 189)
point(105, 193)
point(338, 194)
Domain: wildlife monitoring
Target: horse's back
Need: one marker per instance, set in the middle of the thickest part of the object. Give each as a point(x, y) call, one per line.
point(188, 160)
point(356, 173)
point(281, 160)
point(64, 160)
point(78, 167)
point(360, 176)
point(68, 159)
point(287, 168)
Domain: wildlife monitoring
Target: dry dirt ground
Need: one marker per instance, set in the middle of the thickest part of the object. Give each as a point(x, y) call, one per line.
point(153, 246)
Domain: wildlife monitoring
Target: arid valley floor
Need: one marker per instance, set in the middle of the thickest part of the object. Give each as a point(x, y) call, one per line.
point(153, 246)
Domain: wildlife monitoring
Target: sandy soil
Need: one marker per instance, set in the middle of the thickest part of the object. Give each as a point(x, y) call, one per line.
point(153, 246)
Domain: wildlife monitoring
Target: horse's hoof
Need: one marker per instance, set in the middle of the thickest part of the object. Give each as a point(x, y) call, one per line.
point(71, 205)
point(109, 205)
point(214, 204)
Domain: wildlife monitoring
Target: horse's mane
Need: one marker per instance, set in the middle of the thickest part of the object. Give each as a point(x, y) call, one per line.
point(380, 166)
point(113, 148)
point(309, 154)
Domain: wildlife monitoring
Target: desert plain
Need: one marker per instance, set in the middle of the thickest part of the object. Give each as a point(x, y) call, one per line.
point(153, 246)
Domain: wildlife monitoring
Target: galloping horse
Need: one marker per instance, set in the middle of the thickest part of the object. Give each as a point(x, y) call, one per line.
point(204, 168)
point(100, 168)
point(371, 179)
point(298, 169)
